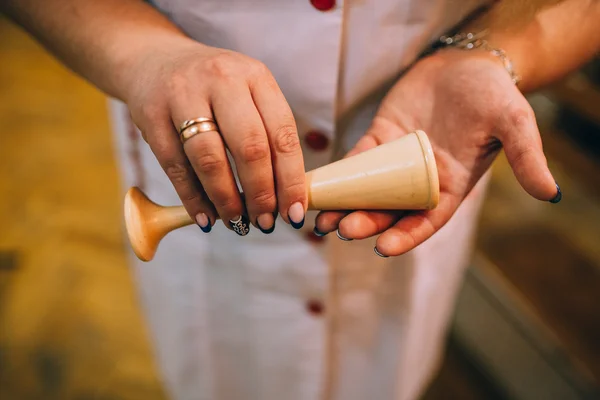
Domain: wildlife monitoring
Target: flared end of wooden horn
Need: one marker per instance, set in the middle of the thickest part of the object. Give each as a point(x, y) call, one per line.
point(431, 168)
point(398, 175)
point(138, 222)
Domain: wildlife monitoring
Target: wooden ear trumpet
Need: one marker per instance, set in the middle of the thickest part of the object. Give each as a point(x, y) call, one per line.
point(399, 175)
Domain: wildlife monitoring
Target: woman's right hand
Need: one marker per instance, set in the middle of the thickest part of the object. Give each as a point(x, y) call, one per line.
point(189, 80)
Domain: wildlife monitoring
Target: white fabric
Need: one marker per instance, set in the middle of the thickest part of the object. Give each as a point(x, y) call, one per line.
point(228, 314)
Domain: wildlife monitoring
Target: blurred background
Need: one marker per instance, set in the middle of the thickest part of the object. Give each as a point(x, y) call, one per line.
point(527, 322)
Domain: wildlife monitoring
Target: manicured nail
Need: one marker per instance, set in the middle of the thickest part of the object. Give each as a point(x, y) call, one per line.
point(341, 237)
point(558, 196)
point(296, 215)
point(203, 222)
point(378, 253)
point(240, 225)
point(318, 232)
point(266, 223)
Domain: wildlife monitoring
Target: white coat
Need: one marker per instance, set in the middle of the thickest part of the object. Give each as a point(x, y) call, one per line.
point(284, 316)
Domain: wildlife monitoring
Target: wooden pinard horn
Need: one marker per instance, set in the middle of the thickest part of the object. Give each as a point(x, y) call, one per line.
point(399, 175)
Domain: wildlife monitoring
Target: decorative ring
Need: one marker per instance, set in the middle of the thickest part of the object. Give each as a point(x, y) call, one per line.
point(193, 127)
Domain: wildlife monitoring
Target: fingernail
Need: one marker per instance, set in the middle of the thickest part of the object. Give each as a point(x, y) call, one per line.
point(558, 196)
point(341, 237)
point(240, 225)
point(203, 222)
point(378, 253)
point(318, 232)
point(266, 220)
point(296, 215)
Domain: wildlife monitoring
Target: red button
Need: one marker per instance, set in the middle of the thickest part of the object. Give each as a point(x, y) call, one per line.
point(312, 237)
point(323, 5)
point(316, 141)
point(315, 307)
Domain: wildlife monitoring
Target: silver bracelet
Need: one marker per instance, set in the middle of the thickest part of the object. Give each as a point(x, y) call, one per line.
point(471, 41)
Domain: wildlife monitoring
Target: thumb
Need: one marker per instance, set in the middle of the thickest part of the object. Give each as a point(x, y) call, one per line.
point(522, 144)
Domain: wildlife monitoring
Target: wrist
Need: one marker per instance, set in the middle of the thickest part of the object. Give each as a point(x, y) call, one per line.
point(522, 53)
point(478, 43)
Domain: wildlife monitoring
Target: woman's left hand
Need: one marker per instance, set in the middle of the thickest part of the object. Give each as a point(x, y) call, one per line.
point(470, 109)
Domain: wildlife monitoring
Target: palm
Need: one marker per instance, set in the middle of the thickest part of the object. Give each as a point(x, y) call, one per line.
point(469, 107)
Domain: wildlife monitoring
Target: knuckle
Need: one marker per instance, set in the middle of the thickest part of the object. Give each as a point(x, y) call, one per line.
point(191, 197)
point(409, 239)
point(221, 66)
point(225, 203)
point(177, 82)
point(258, 69)
point(296, 189)
point(209, 163)
point(254, 149)
point(291, 192)
point(286, 140)
point(176, 171)
point(521, 154)
point(520, 116)
point(264, 198)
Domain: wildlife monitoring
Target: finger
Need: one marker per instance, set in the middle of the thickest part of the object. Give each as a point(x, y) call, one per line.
point(165, 145)
point(413, 229)
point(365, 143)
point(207, 155)
point(328, 221)
point(244, 133)
point(355, 225)
point(364, 224)
point(520, 137)
point(381, 131)
point(286, 152)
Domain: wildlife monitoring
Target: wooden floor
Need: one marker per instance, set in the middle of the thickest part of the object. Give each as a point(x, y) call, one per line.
point(70, 327)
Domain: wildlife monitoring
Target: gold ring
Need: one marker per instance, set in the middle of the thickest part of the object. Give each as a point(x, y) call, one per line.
point(193, 127)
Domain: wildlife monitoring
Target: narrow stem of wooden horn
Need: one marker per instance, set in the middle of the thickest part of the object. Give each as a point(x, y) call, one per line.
point(147, 222)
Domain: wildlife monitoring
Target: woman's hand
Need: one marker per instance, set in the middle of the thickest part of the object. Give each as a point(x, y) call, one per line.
point(468, 105)
point(187, 80)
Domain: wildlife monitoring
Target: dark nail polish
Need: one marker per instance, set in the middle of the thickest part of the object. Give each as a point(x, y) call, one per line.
point(206, 228)
point(378, 253)
point(241, 225)
point(296, 225)
point(558, 196)
point(203, 222)
point(318, 232)
point(266, 231)
point(341, 237)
